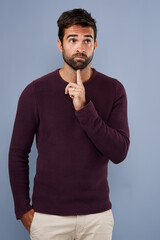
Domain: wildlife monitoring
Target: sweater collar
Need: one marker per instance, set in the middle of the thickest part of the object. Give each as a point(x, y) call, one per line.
point(85, 83)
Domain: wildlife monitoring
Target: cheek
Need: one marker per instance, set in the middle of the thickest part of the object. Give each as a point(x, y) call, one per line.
point(70, 49)
point(90, 50)
point(90, 47)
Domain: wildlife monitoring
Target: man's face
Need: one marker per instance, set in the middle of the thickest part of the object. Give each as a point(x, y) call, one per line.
point(78, 46)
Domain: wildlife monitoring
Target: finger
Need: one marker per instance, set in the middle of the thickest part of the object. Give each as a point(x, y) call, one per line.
point(76, 87)
point(70, 85)
point(67, 90)
point(79, 78)
point(74, 93)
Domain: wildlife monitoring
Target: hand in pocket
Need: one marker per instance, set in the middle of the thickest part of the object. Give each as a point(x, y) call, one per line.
point(27, 219)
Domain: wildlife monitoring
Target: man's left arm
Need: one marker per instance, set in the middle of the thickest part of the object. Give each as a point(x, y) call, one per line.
point(111, 138)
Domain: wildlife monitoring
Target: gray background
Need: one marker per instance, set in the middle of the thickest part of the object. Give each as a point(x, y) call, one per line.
point(128, 49)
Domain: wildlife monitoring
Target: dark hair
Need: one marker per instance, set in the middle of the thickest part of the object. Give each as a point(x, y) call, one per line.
point(77, 16)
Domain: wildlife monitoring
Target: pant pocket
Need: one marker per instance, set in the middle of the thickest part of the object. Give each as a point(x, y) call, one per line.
point(110, 218)
point(33, 222)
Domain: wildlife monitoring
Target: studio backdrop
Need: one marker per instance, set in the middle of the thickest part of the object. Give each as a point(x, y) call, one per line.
point(128, 49)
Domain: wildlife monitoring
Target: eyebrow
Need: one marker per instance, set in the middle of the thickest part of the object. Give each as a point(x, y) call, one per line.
point(75, 35)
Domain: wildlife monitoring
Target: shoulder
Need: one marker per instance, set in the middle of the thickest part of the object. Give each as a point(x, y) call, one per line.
point(109, 82)
point(39, 84)
point(107, 79)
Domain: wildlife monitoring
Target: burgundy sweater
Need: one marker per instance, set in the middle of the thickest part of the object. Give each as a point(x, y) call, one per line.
point(74, 147)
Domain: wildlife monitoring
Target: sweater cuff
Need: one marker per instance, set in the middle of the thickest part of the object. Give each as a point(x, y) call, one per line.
point(87, 112)
point(20, 213)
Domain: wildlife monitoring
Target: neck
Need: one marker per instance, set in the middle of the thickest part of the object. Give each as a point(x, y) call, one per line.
point(70, 75)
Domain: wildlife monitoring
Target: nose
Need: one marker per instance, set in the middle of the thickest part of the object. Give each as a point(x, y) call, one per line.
point(80, 47)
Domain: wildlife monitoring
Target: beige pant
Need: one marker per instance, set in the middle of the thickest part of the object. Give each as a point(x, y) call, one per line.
point(96, 226)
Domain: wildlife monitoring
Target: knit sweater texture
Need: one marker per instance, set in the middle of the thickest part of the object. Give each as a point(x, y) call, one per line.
point(74, 147)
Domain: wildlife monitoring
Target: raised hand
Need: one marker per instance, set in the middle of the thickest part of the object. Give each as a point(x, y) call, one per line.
point(77, 92)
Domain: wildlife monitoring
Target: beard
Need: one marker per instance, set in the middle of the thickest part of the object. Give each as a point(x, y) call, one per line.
point(79, 63)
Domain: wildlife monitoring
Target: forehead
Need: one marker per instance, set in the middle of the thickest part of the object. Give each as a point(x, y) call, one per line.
point(79, 31)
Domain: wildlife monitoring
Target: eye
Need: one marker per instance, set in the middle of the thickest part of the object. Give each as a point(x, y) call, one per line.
point(87, 41)
point(72, 40)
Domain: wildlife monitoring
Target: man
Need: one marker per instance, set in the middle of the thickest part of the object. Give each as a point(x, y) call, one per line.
point(79, 117)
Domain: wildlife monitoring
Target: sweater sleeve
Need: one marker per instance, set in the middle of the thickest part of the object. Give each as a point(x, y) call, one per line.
point(111, 138)
point(25, 125)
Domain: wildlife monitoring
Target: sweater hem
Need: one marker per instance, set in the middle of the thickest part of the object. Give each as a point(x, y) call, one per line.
point(73, 212)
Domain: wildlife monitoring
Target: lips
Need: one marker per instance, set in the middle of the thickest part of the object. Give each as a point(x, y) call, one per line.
point(79, 56)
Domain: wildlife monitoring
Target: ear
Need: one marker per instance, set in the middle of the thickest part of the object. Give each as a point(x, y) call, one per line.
point(59, 45)
point(95, 45)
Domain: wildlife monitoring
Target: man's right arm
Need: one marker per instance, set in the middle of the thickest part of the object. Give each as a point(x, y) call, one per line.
point(25, 126)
